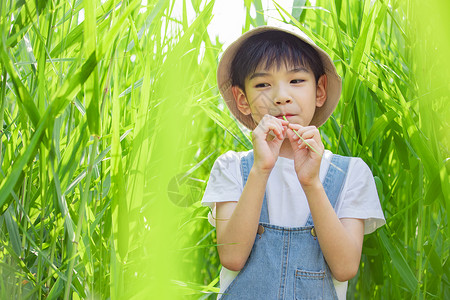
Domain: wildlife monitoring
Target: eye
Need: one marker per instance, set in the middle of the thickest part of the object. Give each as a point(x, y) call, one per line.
point(261, 85)
point(294, 81)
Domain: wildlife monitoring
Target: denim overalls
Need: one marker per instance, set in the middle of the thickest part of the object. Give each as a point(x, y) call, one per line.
point(286, 262)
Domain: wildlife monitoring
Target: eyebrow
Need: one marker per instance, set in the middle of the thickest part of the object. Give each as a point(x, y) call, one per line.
point(295, 70)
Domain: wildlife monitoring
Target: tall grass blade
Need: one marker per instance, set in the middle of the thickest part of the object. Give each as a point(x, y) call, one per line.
point(118, 214)
point(399, 262)
point(91, 85)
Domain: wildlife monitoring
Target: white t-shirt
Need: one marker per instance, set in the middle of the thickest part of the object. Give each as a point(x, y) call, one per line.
point(286, 201)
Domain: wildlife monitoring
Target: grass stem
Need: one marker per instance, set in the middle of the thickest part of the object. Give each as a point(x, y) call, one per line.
point(81, 213)
point(312, 148)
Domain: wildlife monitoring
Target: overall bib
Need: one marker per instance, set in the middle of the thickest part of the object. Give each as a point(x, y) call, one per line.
point(286, 262)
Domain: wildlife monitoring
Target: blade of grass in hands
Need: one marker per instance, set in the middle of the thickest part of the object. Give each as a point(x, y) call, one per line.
point(307, 144)
point(395, 121)
point(312, 148)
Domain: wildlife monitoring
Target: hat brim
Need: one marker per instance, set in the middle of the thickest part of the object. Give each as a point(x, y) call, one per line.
point(334, 82)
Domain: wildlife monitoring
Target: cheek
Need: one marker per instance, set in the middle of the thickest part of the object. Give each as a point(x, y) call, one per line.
point(311, 96)
point(260, 100)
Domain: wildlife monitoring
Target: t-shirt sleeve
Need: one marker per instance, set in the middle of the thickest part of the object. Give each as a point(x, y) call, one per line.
point(359, 198)
point(225, 182)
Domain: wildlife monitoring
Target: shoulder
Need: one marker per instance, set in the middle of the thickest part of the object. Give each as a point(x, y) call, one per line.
point(227, 167)
point(230, 157)
point(355, 164)
point(359, 172)
point(234, 155)
point(359, 197)
point(358, 165)
point(359, 175)
point(224, 183)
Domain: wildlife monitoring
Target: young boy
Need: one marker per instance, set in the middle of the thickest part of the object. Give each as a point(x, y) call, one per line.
point(290, 216)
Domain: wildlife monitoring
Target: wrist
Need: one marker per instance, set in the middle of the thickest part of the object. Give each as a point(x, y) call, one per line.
point(260, 172)
point(312, 186)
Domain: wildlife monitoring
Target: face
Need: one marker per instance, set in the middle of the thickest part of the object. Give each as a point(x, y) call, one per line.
point(282, 91)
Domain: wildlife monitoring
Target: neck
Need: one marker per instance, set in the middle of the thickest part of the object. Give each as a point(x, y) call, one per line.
point(286, 149)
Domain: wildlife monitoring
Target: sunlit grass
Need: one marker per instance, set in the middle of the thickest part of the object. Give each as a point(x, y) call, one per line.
point(111, 124)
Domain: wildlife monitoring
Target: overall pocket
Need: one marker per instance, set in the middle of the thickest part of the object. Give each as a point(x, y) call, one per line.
point(309, 284)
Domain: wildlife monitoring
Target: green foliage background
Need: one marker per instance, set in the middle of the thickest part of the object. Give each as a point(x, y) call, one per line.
point(111, 123)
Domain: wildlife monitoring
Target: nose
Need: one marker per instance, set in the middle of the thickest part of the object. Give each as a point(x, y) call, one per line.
point(282, 96)
point(280, 100)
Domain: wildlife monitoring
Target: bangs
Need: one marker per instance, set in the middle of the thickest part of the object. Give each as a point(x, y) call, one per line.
point(279, 56)
point(273, 48)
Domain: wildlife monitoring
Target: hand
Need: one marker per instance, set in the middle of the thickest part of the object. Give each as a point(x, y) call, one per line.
point(267, 138)
point(306, 161)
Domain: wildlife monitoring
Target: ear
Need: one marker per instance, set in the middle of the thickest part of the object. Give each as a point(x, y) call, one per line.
point(321, 92)
point(241, 100)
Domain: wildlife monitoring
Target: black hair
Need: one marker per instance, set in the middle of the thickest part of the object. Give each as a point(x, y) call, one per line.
point(270, 47)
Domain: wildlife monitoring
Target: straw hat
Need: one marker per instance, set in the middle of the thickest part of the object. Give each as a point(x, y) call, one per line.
point(334, 84)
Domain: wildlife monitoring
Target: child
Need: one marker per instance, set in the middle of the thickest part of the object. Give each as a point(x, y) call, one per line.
point(290, 216)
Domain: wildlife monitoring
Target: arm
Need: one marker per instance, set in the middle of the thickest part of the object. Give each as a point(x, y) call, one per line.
point(340, 240)
point(237, 222)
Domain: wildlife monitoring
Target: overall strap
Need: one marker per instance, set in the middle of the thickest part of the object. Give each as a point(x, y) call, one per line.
point(246, 165)
point(334, 180)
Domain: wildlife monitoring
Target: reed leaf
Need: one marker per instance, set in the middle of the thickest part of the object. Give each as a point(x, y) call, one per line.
point(111, 121)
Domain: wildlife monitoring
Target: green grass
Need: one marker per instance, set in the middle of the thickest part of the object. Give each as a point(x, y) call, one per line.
point(111, 124)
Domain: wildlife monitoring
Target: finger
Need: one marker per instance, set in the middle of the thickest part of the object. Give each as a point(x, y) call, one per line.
point(297, 131)
point(295, 127)
point(302, 129)
point(304, 134)
point(313, 134)
point(292, 135)
point(307, 133)
point(281, 122)
point(270, 124)
point(279, 128)
point(275, 130)
point(295, 135)
point(277, 120)
point(298, 136)
point(311, 145)
point(293, 139)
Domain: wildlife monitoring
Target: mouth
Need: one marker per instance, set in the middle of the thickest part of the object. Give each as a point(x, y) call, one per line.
point(280, 116)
